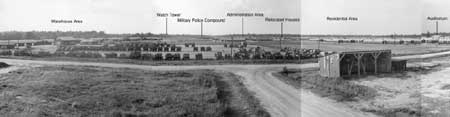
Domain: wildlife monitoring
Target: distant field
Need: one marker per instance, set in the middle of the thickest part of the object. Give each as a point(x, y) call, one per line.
point(93, 91)
point(163, 62)
point(334, 46)
point(191, 39)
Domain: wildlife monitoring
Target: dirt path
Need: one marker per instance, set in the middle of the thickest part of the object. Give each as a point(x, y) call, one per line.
point(286, 101)
point(422, 56)
point(280, 99)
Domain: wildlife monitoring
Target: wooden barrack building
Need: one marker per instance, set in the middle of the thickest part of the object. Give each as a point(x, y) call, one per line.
point(355, 63)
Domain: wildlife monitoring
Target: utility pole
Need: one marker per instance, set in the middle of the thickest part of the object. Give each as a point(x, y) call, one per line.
point(281, 35)
point(8, 45)
point(231, 46)
point(318, 44)
point(242, 27)
point(300, 38)
point(166, 27)
point(437, 28)
point(300, 35)
point(201, 29)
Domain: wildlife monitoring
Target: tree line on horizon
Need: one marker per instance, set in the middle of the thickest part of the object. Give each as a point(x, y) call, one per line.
point(22, 35)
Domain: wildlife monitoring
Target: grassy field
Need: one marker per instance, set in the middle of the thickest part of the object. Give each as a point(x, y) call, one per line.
point(334, 46)
point(164, 62)
point(93, 91)
point(335, 88)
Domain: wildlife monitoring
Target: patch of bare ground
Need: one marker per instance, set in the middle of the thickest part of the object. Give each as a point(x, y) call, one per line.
point(97, 91)
point(240, 99)
point(336, 88)
point(399, 94)
point(396, 94)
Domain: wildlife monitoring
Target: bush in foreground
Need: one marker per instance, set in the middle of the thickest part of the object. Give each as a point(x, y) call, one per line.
point(3, 65)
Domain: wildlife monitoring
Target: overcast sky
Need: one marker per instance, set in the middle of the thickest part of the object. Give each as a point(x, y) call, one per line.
point(131, 16)
point(374, 16)
point(436, 8)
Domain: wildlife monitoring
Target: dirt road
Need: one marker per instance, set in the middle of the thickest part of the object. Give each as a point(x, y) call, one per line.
point(283, 100)
point(424, 56)
point(280, 99)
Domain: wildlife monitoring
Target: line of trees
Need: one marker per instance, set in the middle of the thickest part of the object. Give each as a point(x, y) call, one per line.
point(19, 35)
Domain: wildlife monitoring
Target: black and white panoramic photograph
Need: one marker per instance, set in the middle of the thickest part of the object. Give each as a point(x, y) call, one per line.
point(224, 58)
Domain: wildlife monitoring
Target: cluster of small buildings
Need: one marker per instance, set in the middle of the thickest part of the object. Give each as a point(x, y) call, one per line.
point(436, 39)
point(12, 44)
point(233, 40)
point(65, 41)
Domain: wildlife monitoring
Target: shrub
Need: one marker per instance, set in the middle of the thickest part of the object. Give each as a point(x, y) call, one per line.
point(195, 49)
point(219, 56)
point(3, 65)
point(177, 56)
point(202, 49)
point(59, 53)
point(5, 52)
point(285, 70)
point(22, 53)
point(94, 55)
point(169, 56)
point(135, 55)
point(147, 57)
point(158, 56)
point(123, 55)
point(186, 56)
point(42, 54)
point(111, 55)
point(199, 56)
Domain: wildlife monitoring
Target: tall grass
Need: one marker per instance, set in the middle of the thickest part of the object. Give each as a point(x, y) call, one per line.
point(85, 91)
